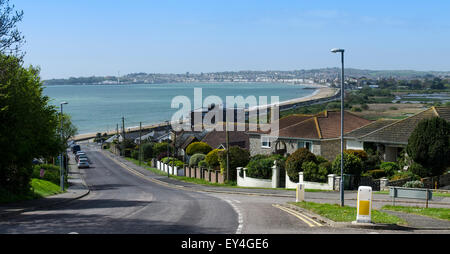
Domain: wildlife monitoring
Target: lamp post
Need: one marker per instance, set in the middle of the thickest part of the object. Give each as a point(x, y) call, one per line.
point(168, 154)
point(341, 186)
point(61, 171)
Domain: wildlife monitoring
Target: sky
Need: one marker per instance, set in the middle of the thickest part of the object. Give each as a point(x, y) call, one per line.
point(73, 38)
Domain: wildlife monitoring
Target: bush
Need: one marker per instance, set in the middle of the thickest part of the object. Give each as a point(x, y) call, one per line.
point(135, 154)
point(377, 173)
point(390, 168)
point(352, 165)
point(212, 158)
point(203, 164)
point(413, 184)
point(169, 160)
point(179, 164)
point(418, 169)
point(198, 147)
point(295, 161)
point(320, 159)
point(147, 151)
point(356, 109)
point(51, 174)
point(313, 173)
point(160, 148)
point(403, 175)
point(359, 153)
point(260, 168)
point(237, 156)
point(365, 106)
point(162, 155)
point(195, 159)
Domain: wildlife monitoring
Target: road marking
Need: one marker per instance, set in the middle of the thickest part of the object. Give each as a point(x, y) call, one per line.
point(240, 217)
point(304, 218)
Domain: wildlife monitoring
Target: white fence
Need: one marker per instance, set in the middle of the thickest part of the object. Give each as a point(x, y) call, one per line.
point(172, 170)
point(246, 181)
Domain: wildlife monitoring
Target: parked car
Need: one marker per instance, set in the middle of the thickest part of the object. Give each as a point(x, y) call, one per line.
point(82, 156)
point(76, 148)
point(78, 154)
point(83, 163)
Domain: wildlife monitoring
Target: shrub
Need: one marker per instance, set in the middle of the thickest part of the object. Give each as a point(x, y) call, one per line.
point(162, 155)
point(376, 173)
point(237, 156)
point(418, 169)
point(295, 161)
point(260, 168)
point(313, 173)
point(195, 159)
point(390, 168)
point(352, 165)
point(160, 148)
point(393, 108)
point(360, 153)
point(356, 109)
point(212, 158)
point(365, 106)
point(168, 160)
point(403, 175)
point(198, 147)
point(51, 174)
point(179, 164)
point(147, 151)
point(413, 184)
point(135, 154)
point(203, 164)
point(320, 159)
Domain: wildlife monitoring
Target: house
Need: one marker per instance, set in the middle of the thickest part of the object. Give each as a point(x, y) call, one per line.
point(154, 136)
point(184, 138)
point(236, 137)
point(319, 133)
point(390, 137)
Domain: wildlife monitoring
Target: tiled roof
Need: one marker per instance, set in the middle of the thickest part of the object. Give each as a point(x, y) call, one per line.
point(399, 131)
point(323, 126)
point(371, 127)
point(216, 138)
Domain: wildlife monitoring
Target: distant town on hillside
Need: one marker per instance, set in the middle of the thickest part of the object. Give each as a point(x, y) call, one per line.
point(325, 76)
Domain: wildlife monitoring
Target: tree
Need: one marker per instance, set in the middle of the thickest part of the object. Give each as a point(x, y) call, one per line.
point(10, 37)
point(69, 130)
point(429, 145)
point(352, 165)
point(295, 161)
point(237, 157)
point(198, 147)
point(29, 126)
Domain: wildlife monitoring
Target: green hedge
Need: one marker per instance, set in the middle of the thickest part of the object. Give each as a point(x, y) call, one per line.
point(52, 173)
point(198, 147)
point(295, 161)
point(195, 159)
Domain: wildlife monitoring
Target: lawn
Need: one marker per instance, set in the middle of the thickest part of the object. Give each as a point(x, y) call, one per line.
point(438, 213)
point(337, 213)
point(39, 189)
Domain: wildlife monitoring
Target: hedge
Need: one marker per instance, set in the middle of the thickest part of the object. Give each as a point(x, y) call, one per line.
point(295, 161)
point(195, 159)
point(198, 147)
point(212, 158)
point(237, 157)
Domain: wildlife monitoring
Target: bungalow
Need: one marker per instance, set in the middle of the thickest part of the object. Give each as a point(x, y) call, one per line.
point(389, 137)
point(318, 133)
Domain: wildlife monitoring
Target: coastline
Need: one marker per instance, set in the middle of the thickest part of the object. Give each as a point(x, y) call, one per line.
point(321, 92)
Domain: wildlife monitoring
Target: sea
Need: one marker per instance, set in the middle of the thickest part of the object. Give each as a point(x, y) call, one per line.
point(99, 108)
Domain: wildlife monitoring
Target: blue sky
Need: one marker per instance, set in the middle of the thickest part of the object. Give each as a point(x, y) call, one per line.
point(83, 38)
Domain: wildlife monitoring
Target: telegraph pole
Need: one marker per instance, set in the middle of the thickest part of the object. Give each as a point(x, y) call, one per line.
point(228, 150)
point(123, 136)
point(140, 143)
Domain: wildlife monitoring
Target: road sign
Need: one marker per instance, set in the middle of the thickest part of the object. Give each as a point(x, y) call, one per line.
point(364, 205)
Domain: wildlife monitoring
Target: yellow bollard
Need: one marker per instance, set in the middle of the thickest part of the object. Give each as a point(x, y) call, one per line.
point(364, 205)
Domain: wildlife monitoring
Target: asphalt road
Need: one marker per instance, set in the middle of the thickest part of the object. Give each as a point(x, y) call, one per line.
point(121, 202)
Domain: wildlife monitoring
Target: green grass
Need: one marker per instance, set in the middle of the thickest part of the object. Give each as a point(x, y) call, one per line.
point(337, 213)
point(39, 189)
point(438, 213)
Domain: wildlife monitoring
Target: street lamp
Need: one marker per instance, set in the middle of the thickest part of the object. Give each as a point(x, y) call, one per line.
point(341, 186)
point(61, 154)
point(168, 155)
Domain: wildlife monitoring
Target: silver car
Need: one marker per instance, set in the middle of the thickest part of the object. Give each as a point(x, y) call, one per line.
point(83, 163)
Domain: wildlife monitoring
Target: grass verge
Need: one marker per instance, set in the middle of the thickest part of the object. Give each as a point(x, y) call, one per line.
point(39, 189)
point(337, 213)
point(438, 213)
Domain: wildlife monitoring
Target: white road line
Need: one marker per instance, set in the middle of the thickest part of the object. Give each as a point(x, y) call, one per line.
point(240, 217)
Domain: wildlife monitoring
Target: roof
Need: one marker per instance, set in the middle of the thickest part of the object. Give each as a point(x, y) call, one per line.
point(235, 138)
point(399, 131)
point(185, 138)
point(324, 125)
point(371, 127)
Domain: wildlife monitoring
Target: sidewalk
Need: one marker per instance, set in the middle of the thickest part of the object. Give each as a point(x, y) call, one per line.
point(77, 189)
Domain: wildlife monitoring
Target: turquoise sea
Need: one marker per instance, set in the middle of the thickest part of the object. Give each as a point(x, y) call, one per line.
point(98, 108)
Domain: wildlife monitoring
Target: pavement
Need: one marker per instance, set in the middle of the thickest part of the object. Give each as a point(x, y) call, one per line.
point(77, 189)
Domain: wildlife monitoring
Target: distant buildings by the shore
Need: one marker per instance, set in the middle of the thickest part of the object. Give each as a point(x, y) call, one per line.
point(326, 76)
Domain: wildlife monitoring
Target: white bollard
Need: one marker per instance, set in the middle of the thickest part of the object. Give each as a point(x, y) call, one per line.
point(300, 197)
point(364, 205)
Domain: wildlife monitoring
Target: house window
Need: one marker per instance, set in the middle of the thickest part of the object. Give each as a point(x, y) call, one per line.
point(304, 144)
point(265, 142)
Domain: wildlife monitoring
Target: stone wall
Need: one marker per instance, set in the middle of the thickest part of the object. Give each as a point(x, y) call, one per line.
point(329, 149)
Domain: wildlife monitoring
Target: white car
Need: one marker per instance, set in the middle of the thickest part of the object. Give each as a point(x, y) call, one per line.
point(83, 163)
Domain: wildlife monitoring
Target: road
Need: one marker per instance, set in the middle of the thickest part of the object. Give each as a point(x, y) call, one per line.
point(126, 203)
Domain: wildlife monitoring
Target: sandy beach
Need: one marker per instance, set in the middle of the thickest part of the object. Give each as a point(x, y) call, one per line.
point(321, 92)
